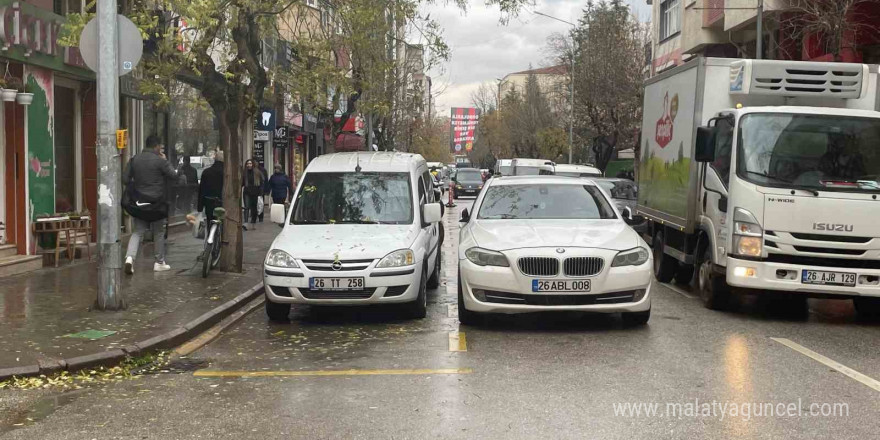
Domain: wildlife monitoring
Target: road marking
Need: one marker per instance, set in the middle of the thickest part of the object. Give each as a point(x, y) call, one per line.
point(853, 374)
point(401, 372)
point(457, 341)
point(678, 291)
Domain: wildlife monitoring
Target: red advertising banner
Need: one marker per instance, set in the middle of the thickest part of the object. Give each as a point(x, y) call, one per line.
point(463, 123)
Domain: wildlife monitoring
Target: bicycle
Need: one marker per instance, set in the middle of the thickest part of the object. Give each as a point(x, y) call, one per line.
point(213, 242)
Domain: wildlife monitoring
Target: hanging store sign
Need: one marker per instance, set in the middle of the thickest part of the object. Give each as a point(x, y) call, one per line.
point(29, 34)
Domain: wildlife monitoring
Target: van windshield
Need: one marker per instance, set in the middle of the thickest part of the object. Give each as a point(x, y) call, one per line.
point(364, 198)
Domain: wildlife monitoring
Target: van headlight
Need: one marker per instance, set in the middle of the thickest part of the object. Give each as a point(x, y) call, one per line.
point(485, 257)
point(402, 257)
point(632, 257)
point(279, 258)
point(748, 236)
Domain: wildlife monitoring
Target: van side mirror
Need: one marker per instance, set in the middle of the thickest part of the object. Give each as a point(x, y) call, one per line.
point(704, 150)
point(432, 213)
point(465, 216)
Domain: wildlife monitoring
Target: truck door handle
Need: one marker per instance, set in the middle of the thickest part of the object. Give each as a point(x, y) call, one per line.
point(705, 196)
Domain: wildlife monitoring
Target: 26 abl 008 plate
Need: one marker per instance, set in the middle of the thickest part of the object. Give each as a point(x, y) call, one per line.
point(560, 286)
point(828, 278)
point(326, 283)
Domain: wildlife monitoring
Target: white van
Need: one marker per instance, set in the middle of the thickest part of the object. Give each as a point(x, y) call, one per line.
point(364, 228)
point(567, 170)
point(531, 167)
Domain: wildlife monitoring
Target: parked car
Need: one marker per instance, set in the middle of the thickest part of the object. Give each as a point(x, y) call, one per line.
point(364, 229)
point(468, 182)
point(568, 170)
point(549, 243)
point(624, 193)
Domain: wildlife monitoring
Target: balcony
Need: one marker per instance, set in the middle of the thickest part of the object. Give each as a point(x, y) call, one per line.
point(713, 14)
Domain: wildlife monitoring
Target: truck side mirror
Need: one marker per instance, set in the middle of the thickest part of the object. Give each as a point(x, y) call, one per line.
point(705, 145)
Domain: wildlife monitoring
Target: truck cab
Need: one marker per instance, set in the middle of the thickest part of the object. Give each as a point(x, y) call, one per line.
point(780, 198)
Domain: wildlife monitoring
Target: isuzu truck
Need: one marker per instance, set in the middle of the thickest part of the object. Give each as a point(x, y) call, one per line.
point(763, 176)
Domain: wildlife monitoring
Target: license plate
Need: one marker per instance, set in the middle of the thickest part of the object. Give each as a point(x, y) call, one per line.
point(828, 278)
point(560, 286)
point(336, 283)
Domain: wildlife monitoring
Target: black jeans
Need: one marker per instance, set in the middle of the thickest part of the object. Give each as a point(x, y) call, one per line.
point(209, 206)
point(250, 204)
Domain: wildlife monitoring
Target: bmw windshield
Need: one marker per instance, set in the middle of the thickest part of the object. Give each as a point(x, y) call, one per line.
point(371, 198)
point(813, 152)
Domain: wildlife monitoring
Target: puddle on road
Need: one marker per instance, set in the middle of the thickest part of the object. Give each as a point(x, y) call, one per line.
point(39, 410)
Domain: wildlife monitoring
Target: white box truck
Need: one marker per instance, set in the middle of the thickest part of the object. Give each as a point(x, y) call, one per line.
point(764, 176)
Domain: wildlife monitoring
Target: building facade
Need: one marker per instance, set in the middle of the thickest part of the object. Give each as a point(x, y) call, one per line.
point(682, 29)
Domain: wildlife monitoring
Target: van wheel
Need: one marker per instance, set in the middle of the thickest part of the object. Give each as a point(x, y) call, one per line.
point(664, 265)
point(713, 288)
point(867, 308)
point(277, 312)
point(434, 280)
point(418, 309)
point(465, 316)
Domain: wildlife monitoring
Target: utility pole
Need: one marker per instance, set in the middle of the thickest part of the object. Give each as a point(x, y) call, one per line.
point(759, 42)
point(110, 295)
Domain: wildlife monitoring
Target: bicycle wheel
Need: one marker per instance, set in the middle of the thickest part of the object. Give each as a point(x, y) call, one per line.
point(207, 256)
point(217, 248)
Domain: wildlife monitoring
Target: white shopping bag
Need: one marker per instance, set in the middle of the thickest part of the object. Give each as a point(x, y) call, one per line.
point(199, 226)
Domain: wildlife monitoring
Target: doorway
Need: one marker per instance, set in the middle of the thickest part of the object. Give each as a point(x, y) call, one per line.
point(65, 150)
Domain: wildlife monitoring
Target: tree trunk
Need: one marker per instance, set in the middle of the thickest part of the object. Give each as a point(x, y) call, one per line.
point(230, 141)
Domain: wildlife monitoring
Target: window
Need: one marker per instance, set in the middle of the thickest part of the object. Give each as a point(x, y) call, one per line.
point(723, 148)
point(545, 201)
point(422, 197)
point(64, 7)
point(670, 18)
point(429, 186)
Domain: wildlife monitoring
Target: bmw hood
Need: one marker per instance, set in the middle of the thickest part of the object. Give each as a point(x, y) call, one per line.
point(504, 235)
point(349, 242)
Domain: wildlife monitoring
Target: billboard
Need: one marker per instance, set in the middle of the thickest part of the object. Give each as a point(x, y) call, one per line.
point(463, 123)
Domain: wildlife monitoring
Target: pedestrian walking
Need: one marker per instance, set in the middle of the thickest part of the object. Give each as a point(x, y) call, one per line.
point(144, 199)
point(252, 185)
point(280, 186)
point(189, 181)
point(211, 188)
point(261, 203)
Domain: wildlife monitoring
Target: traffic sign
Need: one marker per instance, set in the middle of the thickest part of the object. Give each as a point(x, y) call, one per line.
point(129, 49)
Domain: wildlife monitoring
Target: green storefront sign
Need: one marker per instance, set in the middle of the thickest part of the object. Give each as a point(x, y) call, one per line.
point(29, 35)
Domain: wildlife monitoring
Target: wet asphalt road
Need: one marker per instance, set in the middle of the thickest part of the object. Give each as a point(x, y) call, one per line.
point(544, 376)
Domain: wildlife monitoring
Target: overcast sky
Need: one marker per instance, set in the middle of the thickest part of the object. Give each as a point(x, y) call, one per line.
point(483, 50)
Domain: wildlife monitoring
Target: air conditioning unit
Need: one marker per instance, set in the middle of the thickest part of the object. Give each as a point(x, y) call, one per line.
point(798, 78)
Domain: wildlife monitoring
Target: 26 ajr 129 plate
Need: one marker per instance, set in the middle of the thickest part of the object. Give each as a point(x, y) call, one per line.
point(828, 278)
point(324, 283)
point(560, 285)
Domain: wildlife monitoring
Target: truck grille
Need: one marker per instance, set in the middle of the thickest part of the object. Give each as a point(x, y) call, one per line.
point(823, 262)
point(831, 238)
point(583, 266)
point(539, 266)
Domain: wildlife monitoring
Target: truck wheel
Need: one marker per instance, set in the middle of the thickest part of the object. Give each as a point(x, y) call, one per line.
point(664, 265)
point(867, 308)
point(714, 291)
point(685, 274)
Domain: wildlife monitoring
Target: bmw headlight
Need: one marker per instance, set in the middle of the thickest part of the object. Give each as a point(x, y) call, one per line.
point(403, 257)
point(279, 258)
point(485, 257)
point(633, 257)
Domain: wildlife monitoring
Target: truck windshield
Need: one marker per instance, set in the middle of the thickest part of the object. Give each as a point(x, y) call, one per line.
point(366, 198)
point(818, 152)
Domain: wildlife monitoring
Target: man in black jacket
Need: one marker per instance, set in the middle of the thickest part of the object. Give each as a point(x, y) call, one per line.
point(211, 187)
point(145, 177)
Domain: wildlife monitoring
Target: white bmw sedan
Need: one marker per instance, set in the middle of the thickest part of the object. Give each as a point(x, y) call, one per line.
point(548, 243)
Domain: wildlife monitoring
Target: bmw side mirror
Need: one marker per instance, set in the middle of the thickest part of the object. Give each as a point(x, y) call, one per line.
point(627, 215)
point(465, 216)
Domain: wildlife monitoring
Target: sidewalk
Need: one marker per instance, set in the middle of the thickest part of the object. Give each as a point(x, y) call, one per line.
point(38, 309)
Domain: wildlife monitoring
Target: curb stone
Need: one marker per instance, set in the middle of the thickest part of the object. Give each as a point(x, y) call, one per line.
point(165, 340)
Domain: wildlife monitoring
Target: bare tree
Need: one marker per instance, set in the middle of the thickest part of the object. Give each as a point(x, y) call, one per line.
point(835, 23)
point(485, 97)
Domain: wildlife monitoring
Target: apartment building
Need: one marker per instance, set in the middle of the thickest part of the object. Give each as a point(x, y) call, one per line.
point(682, 29)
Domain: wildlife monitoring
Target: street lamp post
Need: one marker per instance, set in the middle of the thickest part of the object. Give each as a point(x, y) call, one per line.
point(570, 87)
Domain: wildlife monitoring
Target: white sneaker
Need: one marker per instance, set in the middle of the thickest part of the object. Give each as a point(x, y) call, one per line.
point(161, 267)
point(129, 265)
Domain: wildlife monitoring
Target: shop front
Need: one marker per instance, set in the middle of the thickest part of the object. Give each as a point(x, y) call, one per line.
point(47, 138)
